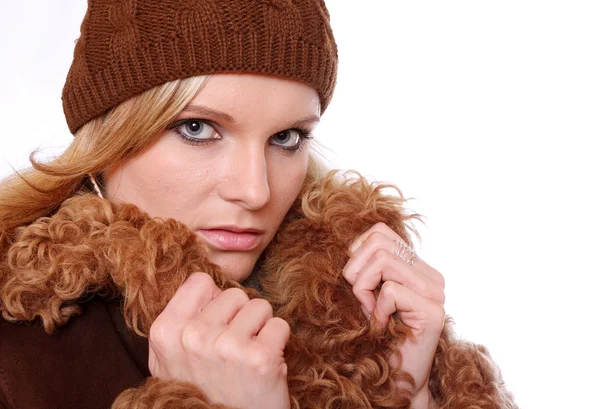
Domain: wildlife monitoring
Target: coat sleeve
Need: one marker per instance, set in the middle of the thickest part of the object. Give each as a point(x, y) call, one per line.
point(160, 394)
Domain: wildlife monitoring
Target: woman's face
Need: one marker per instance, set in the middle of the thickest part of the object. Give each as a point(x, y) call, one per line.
point(229, 166)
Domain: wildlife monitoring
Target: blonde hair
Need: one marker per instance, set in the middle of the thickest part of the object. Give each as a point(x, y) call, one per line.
point(120, 134)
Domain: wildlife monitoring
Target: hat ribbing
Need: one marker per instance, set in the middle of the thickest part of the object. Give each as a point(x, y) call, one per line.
point(129, 46)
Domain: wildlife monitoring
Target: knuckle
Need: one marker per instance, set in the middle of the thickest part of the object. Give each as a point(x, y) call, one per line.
point(387, 289)
point(157, 333)
point(381, 255)
point(260, 360)
point(441, 295)
point(426, 287)
point(379, 226)
point(283, 326)
point(281, 322)
point(193, 338)
point(437, 276)
point(161, 334)
point(237, 293)
point(442, 280)
point(357, 290)
point(226, 346)
point(435, 293)
point(201, 279)
point(378, 237)
point(439, 311)
point(262, 305)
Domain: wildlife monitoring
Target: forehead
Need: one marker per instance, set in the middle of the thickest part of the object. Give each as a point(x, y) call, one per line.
point(252, 96)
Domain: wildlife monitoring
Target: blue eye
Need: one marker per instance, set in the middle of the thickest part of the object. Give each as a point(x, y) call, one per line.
point(195, 131)
point(193, 128)
point(291, 140)
point(288, 139)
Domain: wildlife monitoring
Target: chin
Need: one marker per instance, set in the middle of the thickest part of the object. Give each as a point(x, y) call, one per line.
point(235, 267)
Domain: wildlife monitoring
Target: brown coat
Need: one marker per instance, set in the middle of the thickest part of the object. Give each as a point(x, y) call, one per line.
point(335, 357)
point(86, 364)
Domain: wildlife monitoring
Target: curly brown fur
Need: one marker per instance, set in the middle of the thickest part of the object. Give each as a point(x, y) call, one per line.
point(336, 358)
point(303, 280)
point(94, 246)
point(158, 394)
point(464, 376)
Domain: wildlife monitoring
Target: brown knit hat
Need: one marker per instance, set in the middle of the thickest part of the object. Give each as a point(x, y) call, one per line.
point(129, 46)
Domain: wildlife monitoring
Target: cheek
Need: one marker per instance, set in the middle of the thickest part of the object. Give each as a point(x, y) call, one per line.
point(163, 181)
point(286, 184)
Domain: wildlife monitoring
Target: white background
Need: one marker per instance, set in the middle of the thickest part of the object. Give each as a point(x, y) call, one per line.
point(486, 113)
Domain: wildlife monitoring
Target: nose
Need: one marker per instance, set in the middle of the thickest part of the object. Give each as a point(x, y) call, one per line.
point(246, 180)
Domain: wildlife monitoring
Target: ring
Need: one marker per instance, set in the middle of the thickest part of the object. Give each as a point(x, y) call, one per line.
point(401, 250)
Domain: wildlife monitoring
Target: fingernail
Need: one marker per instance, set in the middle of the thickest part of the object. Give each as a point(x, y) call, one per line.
point(366, 312)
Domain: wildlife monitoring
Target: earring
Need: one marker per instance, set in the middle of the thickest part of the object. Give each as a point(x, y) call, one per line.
point(96, 187)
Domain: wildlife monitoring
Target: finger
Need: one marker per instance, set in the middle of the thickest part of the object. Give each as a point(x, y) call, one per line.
point(363, 288)
point(377, 227)
point(379, 236)
point(395, 297)
point(378, 232)
point(384, 265)
point(361, 256)
point(251, 318)
point(194, 294)
point(430, 272)
point(275, 333)
point(224, 307)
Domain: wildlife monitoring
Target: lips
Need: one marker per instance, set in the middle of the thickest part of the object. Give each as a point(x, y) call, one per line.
point(232, 238)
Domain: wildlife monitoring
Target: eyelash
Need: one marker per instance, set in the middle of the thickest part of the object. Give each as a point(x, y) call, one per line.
point(305, 135)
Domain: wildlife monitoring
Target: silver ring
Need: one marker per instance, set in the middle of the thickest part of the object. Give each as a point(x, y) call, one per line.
point(402, 251)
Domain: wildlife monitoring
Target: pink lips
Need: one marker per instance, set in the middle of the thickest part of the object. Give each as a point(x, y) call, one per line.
point(232, 239)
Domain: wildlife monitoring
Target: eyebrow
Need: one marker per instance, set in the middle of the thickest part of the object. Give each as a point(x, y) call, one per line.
point(204, 111)
point(311, 119)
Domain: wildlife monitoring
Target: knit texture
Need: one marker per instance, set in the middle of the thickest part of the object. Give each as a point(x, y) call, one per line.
point(129, 46)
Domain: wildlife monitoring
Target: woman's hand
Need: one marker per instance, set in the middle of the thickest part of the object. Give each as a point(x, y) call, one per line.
point(415, 291)
point(229, 346)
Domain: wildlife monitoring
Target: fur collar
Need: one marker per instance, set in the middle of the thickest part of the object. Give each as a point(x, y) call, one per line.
point(92, 245)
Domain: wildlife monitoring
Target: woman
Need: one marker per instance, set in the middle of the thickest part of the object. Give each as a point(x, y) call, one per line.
point(200, 114)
